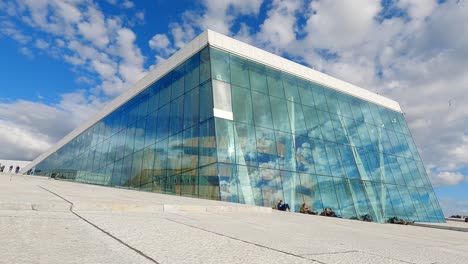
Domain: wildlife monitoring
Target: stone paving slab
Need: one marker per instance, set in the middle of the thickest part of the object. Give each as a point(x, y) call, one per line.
point(108, 225)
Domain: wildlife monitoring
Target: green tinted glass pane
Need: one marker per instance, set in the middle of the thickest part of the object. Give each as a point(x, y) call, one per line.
point(261, 110)
point(290, 88)
point(228, 182)
point(258, 81)
point(220, 65)
point(208, 182)
point(279, 111)
point(296, 117)
point(205, 67)
point(326, 125)
point(189, 183)
point(320, 158)
point(225, 141)
point(343, 193)
point(275, 84)
point(319, 97)
point(178, 82)
point(285, 146)
point(192, 72)
point(190, 149)
point(206, 101)
point(174, 155)
point(191, 108)
point(312, 122)
point(266, 147)
point(305, 92)
point(207, 143)
point(239, 72)
point(327, 187)
point(245, 144)
point(332, 101)
point(242, 105)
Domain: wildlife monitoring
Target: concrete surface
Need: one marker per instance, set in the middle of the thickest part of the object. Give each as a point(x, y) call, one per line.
point(49, 221)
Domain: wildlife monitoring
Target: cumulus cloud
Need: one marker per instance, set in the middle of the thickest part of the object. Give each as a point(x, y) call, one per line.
point(97, 46)
point(448, 178)
point(27, 128)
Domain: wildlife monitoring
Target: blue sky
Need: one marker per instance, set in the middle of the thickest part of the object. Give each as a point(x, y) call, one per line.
point(63, 60)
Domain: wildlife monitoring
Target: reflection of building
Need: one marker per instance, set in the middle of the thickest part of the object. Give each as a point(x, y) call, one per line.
point(226, 121)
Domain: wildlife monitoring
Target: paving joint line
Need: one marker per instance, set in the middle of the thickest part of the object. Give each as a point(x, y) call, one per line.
point(100, 229)
point(244, 241)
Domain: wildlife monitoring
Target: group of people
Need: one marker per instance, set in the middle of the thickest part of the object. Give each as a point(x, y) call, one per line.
point(280, 205)
point(2, 168)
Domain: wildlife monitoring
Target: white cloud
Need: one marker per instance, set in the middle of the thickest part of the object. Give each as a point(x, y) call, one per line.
point(26, 52)
point(97, 46)
point(448, 178)
point(27, 129)
point(94, 29)
point(159, 41)
point(41, 44)
point(128, 4)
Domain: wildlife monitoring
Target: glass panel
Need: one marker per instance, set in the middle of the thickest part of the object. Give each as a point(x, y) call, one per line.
point(275, 84)
point(279, 111)
point(239, 71)
point(228, 182)
point(258, 81)
point(225, 141)
point(261, 110)
point(328, 192)
point(242, 105)
point(245, 144)
point(190, 149)
point(220, 65)
point(189, 183)
point(205, 68)
point(209, 183)
point(192, 72)
point(178, 81)
point(206, 101)
point(266, 148)
point(191, 108)
point(207, 141)
point(290, 88)
point(222, 96)
point(177, 115)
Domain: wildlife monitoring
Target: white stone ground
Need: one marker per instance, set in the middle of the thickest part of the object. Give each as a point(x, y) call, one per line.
point(49, 221)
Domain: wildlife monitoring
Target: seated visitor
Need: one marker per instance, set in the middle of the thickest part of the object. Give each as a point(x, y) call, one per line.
point(398, 221)
point(328, 212)
point(282, 206)
point(305, 210)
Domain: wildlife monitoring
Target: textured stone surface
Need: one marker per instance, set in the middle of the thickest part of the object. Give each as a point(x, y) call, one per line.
point(48, 221)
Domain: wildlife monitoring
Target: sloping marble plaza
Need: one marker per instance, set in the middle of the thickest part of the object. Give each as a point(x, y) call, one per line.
point(50, 221)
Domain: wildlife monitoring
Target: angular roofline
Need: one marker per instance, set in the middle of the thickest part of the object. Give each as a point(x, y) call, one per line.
point(237, 47)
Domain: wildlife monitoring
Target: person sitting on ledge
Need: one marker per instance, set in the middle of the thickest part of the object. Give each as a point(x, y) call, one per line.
point(328, 212)
point(305, 210)
point(282, 206)
point(398, 221)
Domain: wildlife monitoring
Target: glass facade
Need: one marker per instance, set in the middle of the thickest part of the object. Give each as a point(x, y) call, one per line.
point(288, 138)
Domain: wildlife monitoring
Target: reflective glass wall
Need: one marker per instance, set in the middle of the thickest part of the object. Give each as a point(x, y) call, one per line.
point(299, 141)
point(162, 140)
point(289, 139)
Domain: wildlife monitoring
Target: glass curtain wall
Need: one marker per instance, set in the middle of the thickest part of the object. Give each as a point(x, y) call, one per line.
point(300, 141)
point(289, 139)
point(162, 140)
